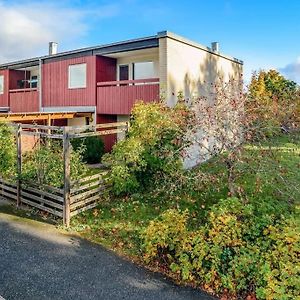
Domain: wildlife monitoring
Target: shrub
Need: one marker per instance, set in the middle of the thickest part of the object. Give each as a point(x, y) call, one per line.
point(45, 164)
point(165, 234)
point(240, 250)
point(93, 148)
point(8, 152)
point(280, 263)
point(152, 148)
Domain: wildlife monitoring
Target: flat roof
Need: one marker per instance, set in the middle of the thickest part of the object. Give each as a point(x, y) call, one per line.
point(128, 45)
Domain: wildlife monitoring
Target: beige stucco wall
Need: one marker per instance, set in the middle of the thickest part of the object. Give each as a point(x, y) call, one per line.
point(189, 69)
point(153, 57)
point(122, 118)
point(77, 122)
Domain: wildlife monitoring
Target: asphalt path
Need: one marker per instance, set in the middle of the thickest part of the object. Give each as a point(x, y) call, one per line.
point(37, 261)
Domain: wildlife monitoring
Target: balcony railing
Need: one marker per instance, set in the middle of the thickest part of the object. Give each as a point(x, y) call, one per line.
point(118, 97)
point(24, 100)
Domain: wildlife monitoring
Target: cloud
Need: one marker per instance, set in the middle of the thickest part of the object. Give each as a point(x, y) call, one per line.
point(292, 71)
point(27, 28)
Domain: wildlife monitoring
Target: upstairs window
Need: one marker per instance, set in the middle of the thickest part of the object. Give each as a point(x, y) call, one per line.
point(77, 76)
point(1, 84)
point(34, 82)
point(143, 70)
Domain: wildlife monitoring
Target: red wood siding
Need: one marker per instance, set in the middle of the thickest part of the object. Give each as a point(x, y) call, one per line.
point(25, 100)
point(15, 76)
point(109, 140)
point(106, 69)
point(118, 97)
point(4, 98)
point(55, 83)
point(11, 78)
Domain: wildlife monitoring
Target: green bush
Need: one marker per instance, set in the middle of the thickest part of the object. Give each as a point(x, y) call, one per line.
point(151, 149)
point(240, 250)
point(8, 152)
point(45, 164)
point(93, 148)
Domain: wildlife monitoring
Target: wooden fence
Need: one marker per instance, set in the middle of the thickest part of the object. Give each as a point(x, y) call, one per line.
point(74, 197)
point(84, 194)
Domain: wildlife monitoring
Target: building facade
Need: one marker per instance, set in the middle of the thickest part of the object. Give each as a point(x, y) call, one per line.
point(101, 84)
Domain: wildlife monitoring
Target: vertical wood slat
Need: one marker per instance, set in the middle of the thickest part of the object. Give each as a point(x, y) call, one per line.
point(26, 100)
point(109, 140)
point(55, 80)
point(4, 98)
point(19, 163)
point(67, 174)
point(120, 99)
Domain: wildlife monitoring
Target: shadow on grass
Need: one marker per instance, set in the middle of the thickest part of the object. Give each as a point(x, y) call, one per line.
point(10, 208)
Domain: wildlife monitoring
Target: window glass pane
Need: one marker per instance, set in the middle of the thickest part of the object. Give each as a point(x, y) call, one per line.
point(144, 70)
point(77, 76)
point(34, 82)
point(124, 72)
point(1, 84)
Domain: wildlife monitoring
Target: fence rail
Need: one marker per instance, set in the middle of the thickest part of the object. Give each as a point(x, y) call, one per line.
point(84, 194)
point(8, 190)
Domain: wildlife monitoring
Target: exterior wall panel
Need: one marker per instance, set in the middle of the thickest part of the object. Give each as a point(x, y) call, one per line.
point(109, 140)
point(191, 70)
point(55, 83)
point(4, 98)
point(105, 69)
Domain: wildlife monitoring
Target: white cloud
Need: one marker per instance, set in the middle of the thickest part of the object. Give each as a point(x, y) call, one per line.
point(26, 29)
point(292, 71)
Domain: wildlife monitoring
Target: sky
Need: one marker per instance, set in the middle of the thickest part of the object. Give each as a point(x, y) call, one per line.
point(264, 34)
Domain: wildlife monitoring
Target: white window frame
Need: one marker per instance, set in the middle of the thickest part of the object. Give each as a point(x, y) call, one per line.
point(129, 71)
point(2, 79)
point(84, 83)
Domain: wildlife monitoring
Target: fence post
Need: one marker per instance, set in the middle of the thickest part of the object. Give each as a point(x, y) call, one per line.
point(19, 164)
point(67, 171)
point(127, 127)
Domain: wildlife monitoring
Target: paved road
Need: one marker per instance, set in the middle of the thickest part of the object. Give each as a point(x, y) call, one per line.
point(39, 262)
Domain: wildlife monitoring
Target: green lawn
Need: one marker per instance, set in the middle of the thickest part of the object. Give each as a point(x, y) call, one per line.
point(272, 170)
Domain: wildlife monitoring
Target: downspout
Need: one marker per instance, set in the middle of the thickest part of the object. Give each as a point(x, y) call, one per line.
point(40, 86)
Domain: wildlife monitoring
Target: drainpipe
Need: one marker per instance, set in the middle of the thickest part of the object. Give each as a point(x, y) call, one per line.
point(40, 85)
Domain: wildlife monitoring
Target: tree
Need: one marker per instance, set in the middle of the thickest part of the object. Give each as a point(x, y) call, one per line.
point(275, 100)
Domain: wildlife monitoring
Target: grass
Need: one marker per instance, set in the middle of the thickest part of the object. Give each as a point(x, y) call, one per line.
point(26, 212)
point(268, 169)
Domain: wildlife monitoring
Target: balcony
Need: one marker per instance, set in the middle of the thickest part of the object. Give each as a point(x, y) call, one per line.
point(118, 97)
point(24, 100)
